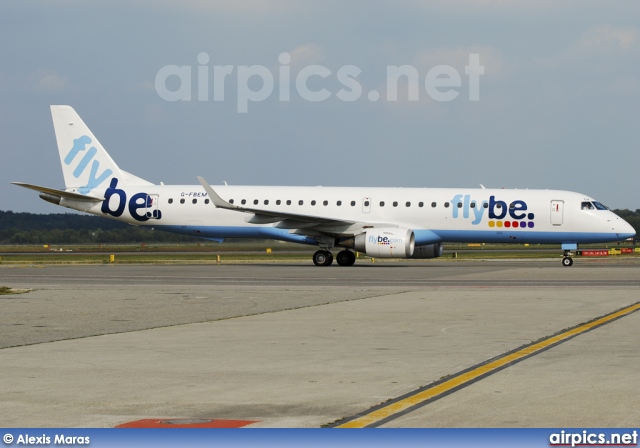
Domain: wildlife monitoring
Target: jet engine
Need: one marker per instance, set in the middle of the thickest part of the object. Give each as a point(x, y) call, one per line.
point(384, 243)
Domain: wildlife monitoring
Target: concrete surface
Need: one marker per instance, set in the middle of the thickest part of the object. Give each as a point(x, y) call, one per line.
point(300, 346)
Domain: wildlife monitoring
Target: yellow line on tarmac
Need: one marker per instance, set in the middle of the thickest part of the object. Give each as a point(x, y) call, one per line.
point(420, 397)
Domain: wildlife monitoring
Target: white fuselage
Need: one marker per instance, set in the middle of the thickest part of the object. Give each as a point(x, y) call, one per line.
point(434, 214)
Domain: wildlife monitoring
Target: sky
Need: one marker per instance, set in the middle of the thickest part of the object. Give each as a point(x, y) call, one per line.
point(557, 105)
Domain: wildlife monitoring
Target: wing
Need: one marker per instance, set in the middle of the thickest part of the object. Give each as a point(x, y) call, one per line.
point(302, 224)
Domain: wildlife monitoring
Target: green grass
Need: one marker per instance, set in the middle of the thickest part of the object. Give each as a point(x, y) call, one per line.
point(247, 252)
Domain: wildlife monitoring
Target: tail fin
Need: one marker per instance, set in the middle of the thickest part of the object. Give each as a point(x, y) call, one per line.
point(85, 163)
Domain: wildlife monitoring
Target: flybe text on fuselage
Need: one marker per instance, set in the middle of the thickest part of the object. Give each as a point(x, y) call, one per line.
point(499, 214)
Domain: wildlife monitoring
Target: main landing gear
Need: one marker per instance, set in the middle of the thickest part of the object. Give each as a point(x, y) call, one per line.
point(566, 259)
point(325, 258)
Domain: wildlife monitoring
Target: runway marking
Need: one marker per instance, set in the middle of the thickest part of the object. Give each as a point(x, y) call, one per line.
point(397, 407)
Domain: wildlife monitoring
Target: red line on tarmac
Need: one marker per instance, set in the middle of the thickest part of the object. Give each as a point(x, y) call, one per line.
point(186, 423)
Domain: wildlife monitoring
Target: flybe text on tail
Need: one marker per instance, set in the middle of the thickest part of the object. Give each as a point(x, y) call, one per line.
point(80, 146)
point(514, 214)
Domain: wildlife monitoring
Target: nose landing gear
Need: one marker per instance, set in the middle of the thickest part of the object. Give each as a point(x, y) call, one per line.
point(566, 259)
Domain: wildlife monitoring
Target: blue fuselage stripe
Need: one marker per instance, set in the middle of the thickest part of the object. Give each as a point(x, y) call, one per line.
point(222, 232)
point(422, 236)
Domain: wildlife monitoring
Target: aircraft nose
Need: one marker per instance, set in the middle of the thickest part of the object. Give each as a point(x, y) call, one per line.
point(624, 229)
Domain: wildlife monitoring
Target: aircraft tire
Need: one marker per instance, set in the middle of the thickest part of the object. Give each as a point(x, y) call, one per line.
point(322, 258)
point(346, 258)
point(567, 261)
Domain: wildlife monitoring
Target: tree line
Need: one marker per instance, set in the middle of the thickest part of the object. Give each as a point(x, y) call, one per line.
point(70, 228)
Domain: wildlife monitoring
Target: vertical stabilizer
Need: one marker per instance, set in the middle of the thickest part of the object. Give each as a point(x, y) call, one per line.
point(85, 163)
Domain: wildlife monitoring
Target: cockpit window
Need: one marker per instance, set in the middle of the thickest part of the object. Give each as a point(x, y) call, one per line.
point(600, 206)
point(587, 206)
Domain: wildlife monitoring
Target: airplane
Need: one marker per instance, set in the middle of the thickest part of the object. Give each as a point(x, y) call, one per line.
point(380, 222)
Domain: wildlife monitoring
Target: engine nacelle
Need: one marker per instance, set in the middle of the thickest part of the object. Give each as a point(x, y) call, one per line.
point(428, 251)
point(386, 243)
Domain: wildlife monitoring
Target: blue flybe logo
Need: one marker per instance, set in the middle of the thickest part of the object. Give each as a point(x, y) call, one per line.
point(80, 145)
point(499, 213)
point(141, 206)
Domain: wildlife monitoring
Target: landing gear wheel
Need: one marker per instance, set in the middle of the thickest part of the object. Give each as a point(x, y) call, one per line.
point(346, 258)
point(567, 261)
point(329, 259)
point(322, 258)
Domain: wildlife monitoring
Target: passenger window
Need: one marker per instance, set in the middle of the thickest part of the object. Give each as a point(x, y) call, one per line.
point(195, 201)
point(182, 201)
point(288, 201)
point(433, 204)
point(408, 204)
point(300, 202)
point(278, 202)
point(206, 201)
point(339, 203)
point(381, 203)
point(255, 202)
point(473, 205)
point(244, 201)
point(485, 205)
point(366, 203)
point(325, 202)
point(353, 203)
point(313, 202)
point(498, 205)
point(395, 203)
point(459, 204)
point(230, 201)
point(446, 205)
point(266, 202)
point(170, 201)
point(420, 204)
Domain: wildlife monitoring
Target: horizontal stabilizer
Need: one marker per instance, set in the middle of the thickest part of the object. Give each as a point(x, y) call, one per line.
point(60, 193)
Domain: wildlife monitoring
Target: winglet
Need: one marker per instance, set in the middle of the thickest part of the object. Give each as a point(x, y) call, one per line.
point(217, 200)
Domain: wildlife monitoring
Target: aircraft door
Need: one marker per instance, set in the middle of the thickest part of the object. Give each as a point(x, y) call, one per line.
point(152, 206)
point(366, 205)
point(557, 210)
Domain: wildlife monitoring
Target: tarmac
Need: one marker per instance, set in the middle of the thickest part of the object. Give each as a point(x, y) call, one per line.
point(294, 345)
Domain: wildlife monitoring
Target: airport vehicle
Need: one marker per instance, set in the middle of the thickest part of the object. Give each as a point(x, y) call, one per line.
point(381, 222)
